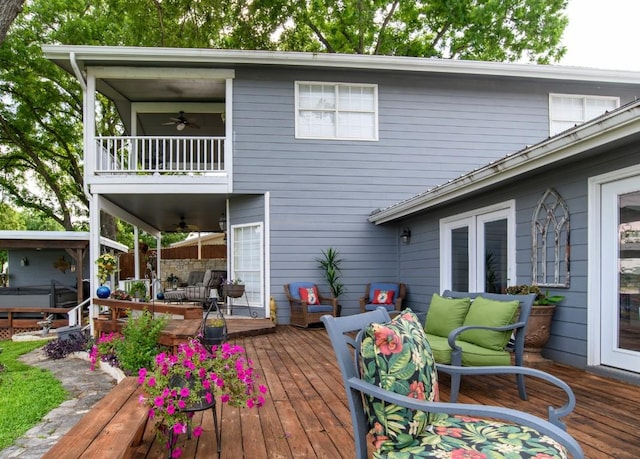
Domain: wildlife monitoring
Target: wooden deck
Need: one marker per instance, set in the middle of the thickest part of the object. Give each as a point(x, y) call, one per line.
point(306, 413)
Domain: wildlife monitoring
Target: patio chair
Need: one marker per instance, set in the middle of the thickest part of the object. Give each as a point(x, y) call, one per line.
point(307, 308)
point(387, 294)
point(392, 388)
point(479, 336)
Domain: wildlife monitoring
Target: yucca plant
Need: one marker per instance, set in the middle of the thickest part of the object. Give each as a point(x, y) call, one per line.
point(330, 265)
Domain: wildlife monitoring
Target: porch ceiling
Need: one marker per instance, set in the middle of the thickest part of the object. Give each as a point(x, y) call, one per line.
point(163, 211)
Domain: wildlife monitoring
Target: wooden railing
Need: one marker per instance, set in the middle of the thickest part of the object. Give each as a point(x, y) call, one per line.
point(177, 155)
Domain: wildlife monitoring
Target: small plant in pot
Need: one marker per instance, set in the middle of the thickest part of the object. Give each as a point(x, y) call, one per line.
point(233, 288)
point(193, 377)
point(330, 265)
point(138, 289)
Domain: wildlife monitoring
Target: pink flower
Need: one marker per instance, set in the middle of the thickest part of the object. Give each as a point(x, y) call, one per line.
point(158, 401)
point(388, 341)
point(197, 431)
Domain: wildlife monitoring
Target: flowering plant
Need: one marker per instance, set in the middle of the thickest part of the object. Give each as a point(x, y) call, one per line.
point(119, 294)
point(107, 265)
point(192, 376)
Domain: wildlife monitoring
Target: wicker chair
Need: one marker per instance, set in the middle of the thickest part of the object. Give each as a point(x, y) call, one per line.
point(302, 313)
point(367, 302)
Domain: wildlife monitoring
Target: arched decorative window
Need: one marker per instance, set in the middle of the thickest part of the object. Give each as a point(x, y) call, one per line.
point(550, 239)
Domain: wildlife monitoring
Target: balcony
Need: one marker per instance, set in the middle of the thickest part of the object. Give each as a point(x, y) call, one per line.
point(138, 155)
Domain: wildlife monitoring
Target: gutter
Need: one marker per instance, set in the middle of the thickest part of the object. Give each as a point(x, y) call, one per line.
point(138, 56)
point(592, 134)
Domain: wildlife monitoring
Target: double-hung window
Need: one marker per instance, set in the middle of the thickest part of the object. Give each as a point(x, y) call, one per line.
point(477, 250)
point(568, 110)
point(336, 111)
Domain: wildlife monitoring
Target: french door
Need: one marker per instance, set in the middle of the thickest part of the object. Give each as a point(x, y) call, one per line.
point(620, 274)
point(477, 250)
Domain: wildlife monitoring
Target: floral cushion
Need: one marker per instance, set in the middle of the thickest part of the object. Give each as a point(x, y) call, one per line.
point(396, 356)
point(464, 437)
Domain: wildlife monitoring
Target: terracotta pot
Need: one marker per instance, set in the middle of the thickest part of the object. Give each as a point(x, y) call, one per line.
point(538, 331)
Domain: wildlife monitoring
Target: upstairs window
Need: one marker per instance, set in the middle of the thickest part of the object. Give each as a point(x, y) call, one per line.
point(567, 110)
point(336, 111)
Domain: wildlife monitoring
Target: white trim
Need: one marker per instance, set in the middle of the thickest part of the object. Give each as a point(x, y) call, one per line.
point(181, 57)
point(594, 250)
point(267, 253)
point(160, 73)
point(228, 133)
point(260, 253)
point(336, 110)
point(168, 107)
point(474, 221)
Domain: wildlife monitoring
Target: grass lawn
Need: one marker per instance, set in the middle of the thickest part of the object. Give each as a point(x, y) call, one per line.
point(26, 393)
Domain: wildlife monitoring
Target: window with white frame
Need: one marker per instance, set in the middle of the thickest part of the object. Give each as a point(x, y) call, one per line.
point(477, 249)
point(336, 111)
point(567, 110)
point(247, 263)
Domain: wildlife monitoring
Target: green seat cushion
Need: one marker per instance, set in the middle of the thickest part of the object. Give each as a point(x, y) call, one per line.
point(440, 348)
point(472, 355)
point(465, 437)
point(396, 356)
point(445, 314)
point(489, 313)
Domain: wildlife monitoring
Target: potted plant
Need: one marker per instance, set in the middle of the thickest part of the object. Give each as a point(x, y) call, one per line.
point(180, 383)
point(539, 325)
point(138, 289)
point(107, 266)
point(330, 265)
point(173, 280)
point(233, 288)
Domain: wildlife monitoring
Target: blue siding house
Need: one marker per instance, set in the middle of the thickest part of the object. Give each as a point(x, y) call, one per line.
point(301, 152)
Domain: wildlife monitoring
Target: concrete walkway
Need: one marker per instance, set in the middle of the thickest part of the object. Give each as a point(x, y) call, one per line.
point(85, 388)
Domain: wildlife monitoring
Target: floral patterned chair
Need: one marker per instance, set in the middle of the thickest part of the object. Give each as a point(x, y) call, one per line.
point(392, 387)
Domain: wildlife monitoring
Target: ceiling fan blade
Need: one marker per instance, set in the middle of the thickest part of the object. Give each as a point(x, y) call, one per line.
point(193, 125)
point(169, 123)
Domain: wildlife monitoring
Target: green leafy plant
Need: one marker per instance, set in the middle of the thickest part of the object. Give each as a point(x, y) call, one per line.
point(193, 376)
point(135, 347)
point(137, 289)
point(542, 298)
point(330, 265)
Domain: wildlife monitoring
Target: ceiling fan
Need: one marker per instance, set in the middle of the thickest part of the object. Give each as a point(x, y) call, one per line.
point(184, 227)
point(181, 122)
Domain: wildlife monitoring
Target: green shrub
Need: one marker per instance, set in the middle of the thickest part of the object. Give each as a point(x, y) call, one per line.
point(140, 343)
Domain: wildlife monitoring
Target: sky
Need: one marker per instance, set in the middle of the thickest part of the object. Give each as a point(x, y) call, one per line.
point(603, 34)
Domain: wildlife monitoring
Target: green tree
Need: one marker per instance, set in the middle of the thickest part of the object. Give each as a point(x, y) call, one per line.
point(9, 9)
point(41, 106)
point(493, 30)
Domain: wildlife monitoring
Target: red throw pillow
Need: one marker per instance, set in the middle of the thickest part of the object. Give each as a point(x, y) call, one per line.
point(383, 296)
point(309, 295)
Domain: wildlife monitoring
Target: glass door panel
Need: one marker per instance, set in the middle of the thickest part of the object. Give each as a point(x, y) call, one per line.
point(495, 256)
point(620, 274)
point(460, 259)
point(628, 329)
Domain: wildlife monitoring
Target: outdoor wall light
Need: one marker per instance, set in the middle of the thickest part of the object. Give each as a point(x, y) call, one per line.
point(24, 261)
point(223, 222)
point(405, 236)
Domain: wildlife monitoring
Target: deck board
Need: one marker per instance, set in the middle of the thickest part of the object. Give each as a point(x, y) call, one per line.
point(306, 413)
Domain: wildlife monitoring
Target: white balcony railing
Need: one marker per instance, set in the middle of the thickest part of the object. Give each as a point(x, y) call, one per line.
point(177, 155)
